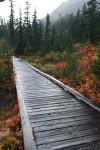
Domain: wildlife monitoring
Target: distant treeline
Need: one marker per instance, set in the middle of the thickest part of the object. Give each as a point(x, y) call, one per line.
point(32, 35)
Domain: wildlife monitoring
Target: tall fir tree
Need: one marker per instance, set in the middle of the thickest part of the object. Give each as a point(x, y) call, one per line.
point(2, 29)
point(40, 35)
point(91, 14)
point(20, 45)
point(35, 32)
point(27, 27)
point(53, 38)
point(77, 22)
point(69, 42)
point(11, 26)
point(47, 34)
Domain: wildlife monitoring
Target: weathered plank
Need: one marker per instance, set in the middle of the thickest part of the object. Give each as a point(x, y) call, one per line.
point(29, 143)
point(52, 139)
point(64, 131)
point(57, 120)
point(63, 120)
point(67, 143)
point(49, 117)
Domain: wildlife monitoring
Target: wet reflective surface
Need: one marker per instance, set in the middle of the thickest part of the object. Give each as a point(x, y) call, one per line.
point(58, 120)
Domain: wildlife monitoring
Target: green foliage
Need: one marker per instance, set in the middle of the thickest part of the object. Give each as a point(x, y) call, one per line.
point(69, 43)
point(20, 45)
point(47, 35)
point(53, 39)
point(8, 143)
point(33, 35)
point(11, 26)
point(27, 28)
point(96, 66)
point(72, 70)
point(6, 71)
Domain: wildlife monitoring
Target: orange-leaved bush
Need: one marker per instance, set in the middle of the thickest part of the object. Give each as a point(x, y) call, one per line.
point(90, 85)
point(6, 72)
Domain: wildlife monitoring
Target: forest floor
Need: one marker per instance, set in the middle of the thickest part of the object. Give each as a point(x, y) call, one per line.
point(73, 69)
point(11, 136)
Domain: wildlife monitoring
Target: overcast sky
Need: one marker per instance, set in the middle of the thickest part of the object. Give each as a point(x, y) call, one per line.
point(42, 6)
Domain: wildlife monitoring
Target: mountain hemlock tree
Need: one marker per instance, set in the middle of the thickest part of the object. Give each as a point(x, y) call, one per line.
point(35, 33)
point(20, 45)
point(83, 26)
point(47, 34)
point(3, 29)
point(27, 27)
point(40, 35)
point(61, 35)
point(53, 39)
point(82, 22)
point(16, 31)
point(77, 27)
point(91, 13)
point(2, 33)
point(69, 43)
point(11, 26)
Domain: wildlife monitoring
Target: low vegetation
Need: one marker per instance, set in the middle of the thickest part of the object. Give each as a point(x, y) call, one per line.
point(10, 126)
point(77, 69)
point(54, 48)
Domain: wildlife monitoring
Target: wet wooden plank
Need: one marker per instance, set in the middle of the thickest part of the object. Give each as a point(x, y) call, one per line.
point(58, 121)
point(63, 125)
point(55, 108)
point(51, 105)
point(67, 143)
point(58, 111)
point(62, 120)
point(52, 139)
point(44, 104)
point(65, 131)
point(49, 117)
point(27, 130)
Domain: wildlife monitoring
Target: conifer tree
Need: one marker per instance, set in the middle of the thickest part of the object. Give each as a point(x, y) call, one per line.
point(35, 32)
point(27, 27)
point(2, 28)
point(40, 35)
point(91, 14)
point(53, 38)
point(77, 22)
point(11, 25)
point(47, 34)
point(69, 43)
point(20, 45)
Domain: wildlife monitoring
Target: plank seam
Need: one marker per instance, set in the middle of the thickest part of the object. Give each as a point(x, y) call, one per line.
point(29, 143)
point(66, 88)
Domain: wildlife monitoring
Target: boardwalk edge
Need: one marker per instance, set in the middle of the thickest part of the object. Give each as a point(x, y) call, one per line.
point(75, 93)
point(29, 143)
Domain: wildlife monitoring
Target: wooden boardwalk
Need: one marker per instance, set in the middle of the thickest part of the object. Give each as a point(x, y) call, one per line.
point(52, 119)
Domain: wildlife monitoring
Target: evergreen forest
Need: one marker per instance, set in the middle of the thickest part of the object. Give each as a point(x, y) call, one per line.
point(73, 41)
point(30, 34)
point(68, 49)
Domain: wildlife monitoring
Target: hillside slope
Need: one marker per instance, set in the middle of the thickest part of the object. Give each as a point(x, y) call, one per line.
point(67, 7)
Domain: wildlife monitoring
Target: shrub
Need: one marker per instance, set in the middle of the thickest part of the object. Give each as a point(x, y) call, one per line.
point(96, 64)
point(9, 143)
point(6, 71)
point(72, 69)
